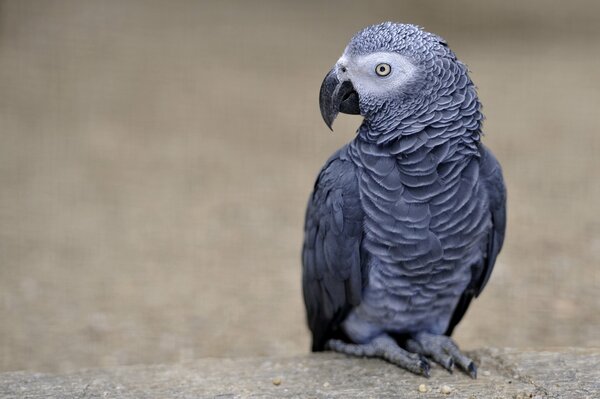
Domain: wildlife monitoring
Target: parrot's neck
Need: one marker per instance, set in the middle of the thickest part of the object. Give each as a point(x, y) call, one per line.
point(448, 130)
point(454, 115)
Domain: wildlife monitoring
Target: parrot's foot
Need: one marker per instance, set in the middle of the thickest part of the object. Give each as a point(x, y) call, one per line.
point(384, 347)
point(442, 350)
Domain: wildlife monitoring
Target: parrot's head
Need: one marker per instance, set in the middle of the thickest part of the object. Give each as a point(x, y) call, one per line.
point(388, 72)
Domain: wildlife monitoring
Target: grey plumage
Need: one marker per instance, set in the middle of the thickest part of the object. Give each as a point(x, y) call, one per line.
point(406, 221)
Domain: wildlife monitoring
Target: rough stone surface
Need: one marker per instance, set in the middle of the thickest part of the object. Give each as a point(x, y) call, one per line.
point(504, 373)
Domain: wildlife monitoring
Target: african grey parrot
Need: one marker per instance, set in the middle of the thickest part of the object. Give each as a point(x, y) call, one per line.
point(406, 221)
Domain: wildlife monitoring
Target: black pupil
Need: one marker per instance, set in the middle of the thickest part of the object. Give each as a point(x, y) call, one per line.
point(382, 68)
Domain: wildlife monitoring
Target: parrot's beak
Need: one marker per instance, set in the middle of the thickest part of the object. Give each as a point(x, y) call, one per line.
point(335, 97)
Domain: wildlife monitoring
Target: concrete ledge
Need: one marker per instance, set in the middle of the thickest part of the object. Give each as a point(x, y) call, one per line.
point(503, 373)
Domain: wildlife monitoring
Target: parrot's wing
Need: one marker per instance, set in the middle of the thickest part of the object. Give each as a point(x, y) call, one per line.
point(493, 185)
point(333, 265)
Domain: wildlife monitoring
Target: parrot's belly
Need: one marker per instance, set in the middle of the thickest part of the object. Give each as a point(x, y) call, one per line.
point(407, 304)
point(396, 302)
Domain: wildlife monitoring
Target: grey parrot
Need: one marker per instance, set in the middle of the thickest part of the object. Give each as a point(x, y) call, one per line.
point(406, 221)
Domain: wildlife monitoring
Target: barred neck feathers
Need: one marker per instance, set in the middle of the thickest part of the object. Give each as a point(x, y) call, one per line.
point(445, 106)
point(446, 128)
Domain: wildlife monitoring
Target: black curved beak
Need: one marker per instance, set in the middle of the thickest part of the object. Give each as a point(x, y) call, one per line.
point(335, 97)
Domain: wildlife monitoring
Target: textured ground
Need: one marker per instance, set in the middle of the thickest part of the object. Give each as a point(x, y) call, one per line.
point(156, 158)
point(503, 374)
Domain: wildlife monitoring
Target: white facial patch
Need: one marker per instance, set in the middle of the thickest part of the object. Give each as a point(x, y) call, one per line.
point(362, 71)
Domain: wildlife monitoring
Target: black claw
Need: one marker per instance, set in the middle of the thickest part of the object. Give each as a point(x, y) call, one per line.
point(450, 366)
point(425, 369)
point(424, 366)
point(472, 369)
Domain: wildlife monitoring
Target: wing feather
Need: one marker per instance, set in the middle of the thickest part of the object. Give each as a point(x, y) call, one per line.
point(490, 174)
point(333, 268)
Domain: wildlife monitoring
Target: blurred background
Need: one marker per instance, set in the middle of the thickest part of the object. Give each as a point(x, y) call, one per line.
point(156, 158)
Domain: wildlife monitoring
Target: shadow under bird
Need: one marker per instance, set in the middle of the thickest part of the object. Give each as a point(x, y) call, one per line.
point(406, 221)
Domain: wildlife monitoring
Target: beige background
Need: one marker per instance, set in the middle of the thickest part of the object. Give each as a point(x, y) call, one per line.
point(156, 157)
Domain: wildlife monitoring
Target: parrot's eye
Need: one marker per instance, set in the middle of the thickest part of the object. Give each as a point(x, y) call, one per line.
point(383, 69)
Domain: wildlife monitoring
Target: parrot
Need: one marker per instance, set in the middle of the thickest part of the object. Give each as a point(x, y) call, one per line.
point(405, 222)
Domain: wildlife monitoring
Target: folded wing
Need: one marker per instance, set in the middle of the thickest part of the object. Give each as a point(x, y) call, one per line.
point(493, 187)
point(334, 270)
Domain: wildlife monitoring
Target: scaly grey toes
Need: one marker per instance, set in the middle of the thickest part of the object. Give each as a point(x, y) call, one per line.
point(419, 365)
point(384, 347)
point(442, 350)
point(445, 361)
point(412, 362)
point(461, 360)
point(437, 354)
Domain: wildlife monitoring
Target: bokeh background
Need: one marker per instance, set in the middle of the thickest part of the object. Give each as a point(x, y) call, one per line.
point(156, 158)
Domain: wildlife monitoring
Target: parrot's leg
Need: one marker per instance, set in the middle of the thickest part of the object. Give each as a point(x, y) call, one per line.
point(442, 350)
point(384, 347)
